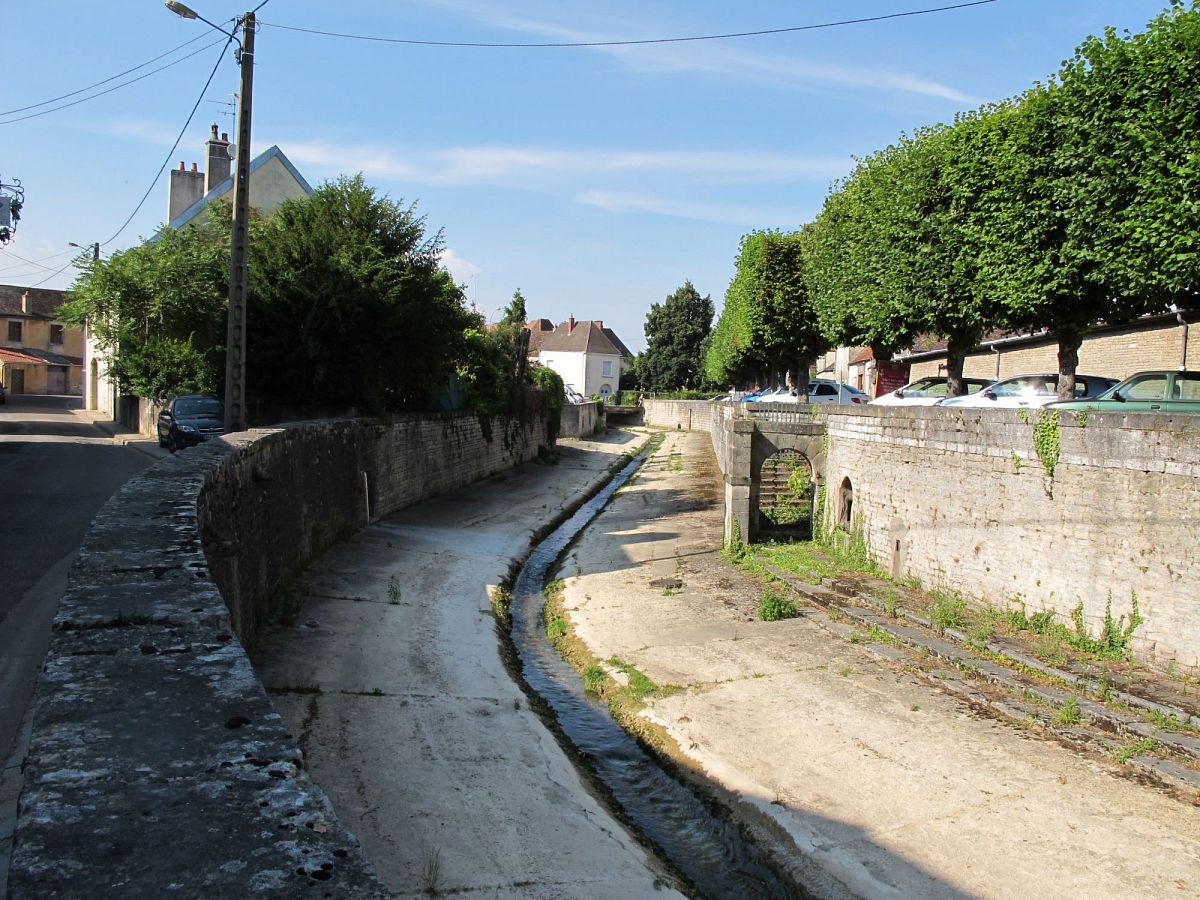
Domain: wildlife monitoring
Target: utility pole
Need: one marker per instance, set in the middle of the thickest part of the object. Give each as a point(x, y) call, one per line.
point(235, 334)
point(235, 340)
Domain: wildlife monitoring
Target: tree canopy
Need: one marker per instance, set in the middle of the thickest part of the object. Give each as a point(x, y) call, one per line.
point(675, 333)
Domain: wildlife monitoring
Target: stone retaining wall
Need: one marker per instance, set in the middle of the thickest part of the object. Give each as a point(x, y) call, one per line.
point(961, 500)
point(581, 419)
point(685, 415)
point(157, 765)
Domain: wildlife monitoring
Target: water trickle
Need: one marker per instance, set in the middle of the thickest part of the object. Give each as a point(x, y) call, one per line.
point(714, 855)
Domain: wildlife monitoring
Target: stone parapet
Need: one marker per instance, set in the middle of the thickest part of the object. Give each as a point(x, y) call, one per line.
point(157, 765)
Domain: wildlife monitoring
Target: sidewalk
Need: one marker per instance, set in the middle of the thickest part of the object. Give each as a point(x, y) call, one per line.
point(392, 680)
point(875, 781)
point(142, 443)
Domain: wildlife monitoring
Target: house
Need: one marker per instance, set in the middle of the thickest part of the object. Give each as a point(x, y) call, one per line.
point(37, 354)
point(273, 179)
point(586, 355)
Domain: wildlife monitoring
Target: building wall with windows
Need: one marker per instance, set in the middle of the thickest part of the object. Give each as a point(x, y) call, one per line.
point(37, 354)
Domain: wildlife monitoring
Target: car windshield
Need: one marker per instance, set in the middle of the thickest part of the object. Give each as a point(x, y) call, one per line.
point(1028, 386)
point(195, 407)
point(926, 387)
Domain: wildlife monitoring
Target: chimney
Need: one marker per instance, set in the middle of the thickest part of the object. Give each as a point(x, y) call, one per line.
point(218, 160)
point(600, 324)
point(25, 302)
point(570, 324)
point(184, 190)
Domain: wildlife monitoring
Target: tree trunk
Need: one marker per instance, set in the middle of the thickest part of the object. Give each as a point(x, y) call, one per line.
point(956, 356)
point(1068, 361)
point(803, 364)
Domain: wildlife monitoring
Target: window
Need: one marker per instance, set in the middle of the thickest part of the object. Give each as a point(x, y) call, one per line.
point(14, 332)
point(56, 334)
point(1187, 387)
point(608, 368)
point(1152, 387)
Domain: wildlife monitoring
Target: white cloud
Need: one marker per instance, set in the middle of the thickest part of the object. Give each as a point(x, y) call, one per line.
point(542, 167)
point(621, 202)
point(460, 269)
point(721, 58)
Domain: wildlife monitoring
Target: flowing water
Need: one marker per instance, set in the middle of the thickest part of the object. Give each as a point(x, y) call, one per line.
point(713, 854)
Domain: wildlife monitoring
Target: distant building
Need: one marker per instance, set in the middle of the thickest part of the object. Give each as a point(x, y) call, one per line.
point(273, 179)
point(38, 355)
point(586, 355)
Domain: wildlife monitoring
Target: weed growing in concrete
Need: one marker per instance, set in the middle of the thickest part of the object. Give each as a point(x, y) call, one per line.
point(556, 629)
point(670, 591)
point(1068, 713)
point(857, 637)
point(1132, 748)
point(431, 872)
point(947, 611)
point(675, 461)
point(1115, 636)
point(1017, 462)
point(880, 636)
point(1169, 721)
point(393, 590)
point(772, 607)
point(501, 600)
point(846, 671)
point(640, 686)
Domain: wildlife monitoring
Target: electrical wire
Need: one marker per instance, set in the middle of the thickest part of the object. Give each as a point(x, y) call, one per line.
point(69, 263)
point(31, 262)
point(117, 87)
point(630, 43)
point(171, 152)
point(9, 112)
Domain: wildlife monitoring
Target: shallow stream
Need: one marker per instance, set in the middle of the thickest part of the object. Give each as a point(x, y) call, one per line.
point(711, 853)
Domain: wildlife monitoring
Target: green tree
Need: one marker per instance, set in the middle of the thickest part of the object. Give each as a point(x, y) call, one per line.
point(349, 307)
point(675, 332)
point(768, 323)
point(158, 310)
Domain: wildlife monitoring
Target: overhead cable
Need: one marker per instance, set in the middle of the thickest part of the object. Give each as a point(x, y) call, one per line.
point(115, 87)
point(178, 138)
point(9, 112)
point(629, 43)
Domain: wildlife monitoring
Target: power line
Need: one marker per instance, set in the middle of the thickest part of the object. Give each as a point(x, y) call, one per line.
point(629, 43)
point(171, 152)
point(9, 112)
point(31, 262)
point(69, 263)
point(116, 87)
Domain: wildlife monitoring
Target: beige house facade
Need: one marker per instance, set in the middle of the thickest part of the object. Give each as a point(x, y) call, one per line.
point(38, 354)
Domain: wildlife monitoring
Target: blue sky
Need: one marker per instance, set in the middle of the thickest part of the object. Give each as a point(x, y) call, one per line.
point(596, 180)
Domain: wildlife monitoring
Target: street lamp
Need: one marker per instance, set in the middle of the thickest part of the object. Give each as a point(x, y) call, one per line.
point(235, 339)
point(95, 248)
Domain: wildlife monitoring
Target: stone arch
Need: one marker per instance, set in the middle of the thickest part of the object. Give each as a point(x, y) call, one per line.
point(785, 495)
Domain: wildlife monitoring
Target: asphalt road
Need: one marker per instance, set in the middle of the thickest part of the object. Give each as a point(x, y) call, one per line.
point(56, 471)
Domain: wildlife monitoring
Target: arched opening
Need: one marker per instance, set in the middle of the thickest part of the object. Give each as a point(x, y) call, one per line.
point(845, 504)
point(785, 496)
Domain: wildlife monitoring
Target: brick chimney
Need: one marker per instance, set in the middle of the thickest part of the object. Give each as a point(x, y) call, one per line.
point(570, 324)
point(218, 160)
point(185, 189)
point(599, 324)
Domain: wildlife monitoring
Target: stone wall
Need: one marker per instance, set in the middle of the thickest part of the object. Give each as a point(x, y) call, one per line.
point(581, 419)
point(157, 765)
point(685, 415)
point(960, 499)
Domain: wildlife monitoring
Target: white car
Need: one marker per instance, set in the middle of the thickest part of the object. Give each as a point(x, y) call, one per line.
point(1025, 391)
point(820, 390)
point(927, 391)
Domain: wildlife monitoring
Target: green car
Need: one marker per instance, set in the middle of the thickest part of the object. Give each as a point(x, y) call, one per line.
point(1162, 391)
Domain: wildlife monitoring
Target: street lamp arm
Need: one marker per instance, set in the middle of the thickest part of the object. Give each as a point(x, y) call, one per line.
point(186, 12)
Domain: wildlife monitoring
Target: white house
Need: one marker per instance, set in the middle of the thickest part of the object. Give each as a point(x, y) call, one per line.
point(587, 356)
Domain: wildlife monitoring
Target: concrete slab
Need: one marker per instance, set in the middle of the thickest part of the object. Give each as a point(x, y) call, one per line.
point(885, 785)
point(393, 682)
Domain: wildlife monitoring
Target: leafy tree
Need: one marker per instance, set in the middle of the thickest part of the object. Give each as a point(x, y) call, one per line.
point(675, 331)
point(349, 307)
point(158, 310)
point(768, 322)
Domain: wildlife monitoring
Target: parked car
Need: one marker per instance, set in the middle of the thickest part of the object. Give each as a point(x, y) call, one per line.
point(572, 395)
point(766, 395)
point(820, 390)
point(1158, 391)
point(190, 419)
point(928, 391)
point(1024, 391)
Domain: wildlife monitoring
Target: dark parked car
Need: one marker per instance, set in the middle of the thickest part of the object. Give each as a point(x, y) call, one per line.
point(190, 419)
point(1160, 391)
